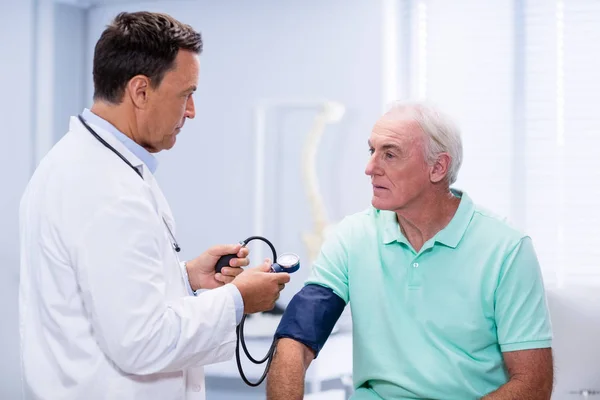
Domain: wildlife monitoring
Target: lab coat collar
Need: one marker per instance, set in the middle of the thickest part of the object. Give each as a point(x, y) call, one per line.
point(76, 126)
point(147, 158)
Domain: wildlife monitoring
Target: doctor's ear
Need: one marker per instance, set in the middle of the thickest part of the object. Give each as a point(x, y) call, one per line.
point(138, 88)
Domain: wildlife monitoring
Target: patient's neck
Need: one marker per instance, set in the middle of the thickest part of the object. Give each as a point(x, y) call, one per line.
point(428, 215)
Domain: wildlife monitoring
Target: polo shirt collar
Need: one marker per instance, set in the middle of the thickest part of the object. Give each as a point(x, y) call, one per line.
point(455, 230)
point(449, 236)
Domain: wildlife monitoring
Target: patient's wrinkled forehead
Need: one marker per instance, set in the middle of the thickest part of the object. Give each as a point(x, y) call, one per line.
point(397, 128)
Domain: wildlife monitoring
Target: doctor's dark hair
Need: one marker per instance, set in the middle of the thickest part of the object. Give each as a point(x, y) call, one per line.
point(139, 43)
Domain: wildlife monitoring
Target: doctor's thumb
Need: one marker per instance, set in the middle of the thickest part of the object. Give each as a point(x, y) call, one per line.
point(265, 266)
point(224, 249)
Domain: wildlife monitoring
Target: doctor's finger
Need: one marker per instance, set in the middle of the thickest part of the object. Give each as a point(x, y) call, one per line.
point(243, 253)
point(239, 262)
point(229, 271)
point(281, 277)
point(274, 301)
point(224, 278)
point(264, 267)
point(223, 249)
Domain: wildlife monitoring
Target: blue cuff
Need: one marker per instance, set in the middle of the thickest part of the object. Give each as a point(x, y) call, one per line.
point(186, 278)
point(310, 317)
point(238, 300)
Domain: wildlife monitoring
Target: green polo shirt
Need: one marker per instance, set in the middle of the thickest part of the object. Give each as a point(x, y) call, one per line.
point(433, 324)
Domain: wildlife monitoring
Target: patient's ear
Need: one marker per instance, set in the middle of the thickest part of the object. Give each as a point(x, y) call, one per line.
point(439, 169)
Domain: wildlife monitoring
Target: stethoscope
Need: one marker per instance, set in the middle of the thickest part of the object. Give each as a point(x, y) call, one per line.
point(287, 262)
point(137, 171)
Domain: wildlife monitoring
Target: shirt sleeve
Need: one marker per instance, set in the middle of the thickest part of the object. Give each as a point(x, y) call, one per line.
point(330, 268)
point(521, 311)
point(238, 301)
point(186, 278)
point(119, 261)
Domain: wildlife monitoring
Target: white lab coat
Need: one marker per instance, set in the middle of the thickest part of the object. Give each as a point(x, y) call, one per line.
point(104, 310)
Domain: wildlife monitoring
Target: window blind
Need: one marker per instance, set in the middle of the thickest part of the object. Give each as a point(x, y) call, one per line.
point(563, 135)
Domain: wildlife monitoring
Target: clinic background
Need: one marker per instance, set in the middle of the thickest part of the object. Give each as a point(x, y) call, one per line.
point(521, 77)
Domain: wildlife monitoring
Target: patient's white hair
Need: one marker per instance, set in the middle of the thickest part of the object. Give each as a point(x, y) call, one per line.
point(441, 133)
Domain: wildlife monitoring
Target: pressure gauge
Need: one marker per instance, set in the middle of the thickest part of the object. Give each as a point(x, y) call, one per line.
point(286, 262)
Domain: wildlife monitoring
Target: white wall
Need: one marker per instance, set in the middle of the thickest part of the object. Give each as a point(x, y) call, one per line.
point(39, 90)
point(268, 50)
point(69, 58)
point(467, 68)
point(15, 165)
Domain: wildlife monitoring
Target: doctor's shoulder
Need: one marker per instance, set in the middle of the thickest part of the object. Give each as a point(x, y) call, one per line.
point(80, 157)
point(76, 177)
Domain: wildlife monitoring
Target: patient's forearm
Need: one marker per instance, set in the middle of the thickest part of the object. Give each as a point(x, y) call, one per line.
point(531, 376)
point(287, 372)
point(516, 390)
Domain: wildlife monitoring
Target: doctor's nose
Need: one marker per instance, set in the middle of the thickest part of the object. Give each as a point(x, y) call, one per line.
point(190, 108)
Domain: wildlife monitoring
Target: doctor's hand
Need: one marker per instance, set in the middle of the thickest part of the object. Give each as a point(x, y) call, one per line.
point(201, 270)
point(260, 288)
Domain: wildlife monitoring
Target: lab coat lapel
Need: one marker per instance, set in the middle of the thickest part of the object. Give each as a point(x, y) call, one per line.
point(163, 205)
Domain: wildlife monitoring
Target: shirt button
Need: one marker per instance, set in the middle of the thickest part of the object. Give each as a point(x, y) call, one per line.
point(416, 265)
point(196, 388)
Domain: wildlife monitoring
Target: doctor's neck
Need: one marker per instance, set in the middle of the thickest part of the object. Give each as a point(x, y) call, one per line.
point(122, 117)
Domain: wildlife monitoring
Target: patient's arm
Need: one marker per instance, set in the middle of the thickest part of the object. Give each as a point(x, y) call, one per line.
point(287, 372)
point(304, 328)
point(531, 376)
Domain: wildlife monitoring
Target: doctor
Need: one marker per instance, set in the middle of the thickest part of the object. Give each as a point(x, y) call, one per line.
point(107, 309)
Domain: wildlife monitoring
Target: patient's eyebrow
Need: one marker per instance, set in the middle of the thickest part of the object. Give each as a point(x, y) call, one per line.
point(387, 146)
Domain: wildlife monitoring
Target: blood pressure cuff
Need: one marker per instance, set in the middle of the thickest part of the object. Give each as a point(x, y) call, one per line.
point(310, 317)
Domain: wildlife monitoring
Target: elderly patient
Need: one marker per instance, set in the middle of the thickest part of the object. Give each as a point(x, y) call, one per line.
point(447, 299)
